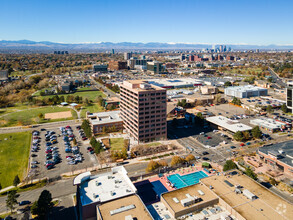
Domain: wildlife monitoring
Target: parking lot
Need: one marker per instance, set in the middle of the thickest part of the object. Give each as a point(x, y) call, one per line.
point(40, 170)
point(223, 109)
point(212, 139)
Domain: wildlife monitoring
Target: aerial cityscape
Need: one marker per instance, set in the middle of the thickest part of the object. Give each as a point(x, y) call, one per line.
point(146, 110)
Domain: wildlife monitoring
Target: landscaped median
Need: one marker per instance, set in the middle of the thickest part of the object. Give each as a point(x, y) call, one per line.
point(14, 155)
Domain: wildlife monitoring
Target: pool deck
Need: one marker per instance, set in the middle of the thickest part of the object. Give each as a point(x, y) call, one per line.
point(181, 171)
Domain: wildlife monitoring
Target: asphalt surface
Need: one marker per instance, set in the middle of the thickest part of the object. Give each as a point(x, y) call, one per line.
point(89, 160)
point(276, 78)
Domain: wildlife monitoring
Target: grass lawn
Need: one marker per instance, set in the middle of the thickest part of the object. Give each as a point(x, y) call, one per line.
point(93, 107)
point(30, 116)
point(117, 143)
point(91, 95)
point(14, 154)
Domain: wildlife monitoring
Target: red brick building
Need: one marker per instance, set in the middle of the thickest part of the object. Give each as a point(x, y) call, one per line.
point(117, 65)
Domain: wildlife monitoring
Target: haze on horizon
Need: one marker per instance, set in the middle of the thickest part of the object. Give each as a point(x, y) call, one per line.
point(261, 22)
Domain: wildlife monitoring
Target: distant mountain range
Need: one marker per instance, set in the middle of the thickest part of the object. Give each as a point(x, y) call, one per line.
point(50, 46)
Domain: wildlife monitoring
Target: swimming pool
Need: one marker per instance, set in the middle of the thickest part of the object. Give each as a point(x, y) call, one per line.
point(186, 180)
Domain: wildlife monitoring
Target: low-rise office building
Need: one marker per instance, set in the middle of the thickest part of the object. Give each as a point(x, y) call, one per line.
point(268, 124)
point(127, 208)
point(208, 90)
point(105, 121)
point(245, 91)
point(226, 124)
point(155, 67)
point(117, 65)
point(94, 190)
point(100, 68)
point(278, 156)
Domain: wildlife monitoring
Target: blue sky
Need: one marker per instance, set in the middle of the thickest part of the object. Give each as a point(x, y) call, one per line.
point(259, 22)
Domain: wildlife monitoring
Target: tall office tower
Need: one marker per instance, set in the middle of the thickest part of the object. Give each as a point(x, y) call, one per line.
point(143, 110)
point(221, 48)
point(113, 51)
point(289, 99)
point(127, 56)
point(225, 49)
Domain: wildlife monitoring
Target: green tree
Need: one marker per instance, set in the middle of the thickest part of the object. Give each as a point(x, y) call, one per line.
point(40, 115)
point(86, 128)
point(284, 108)
point(16, 181)
point(229, 165)
point(256, 132)
point(238, 136)
point(43, 205)
point(228, 83)
point(11, 200)
point(96, 145)
point(269, 109)
point(249, 172)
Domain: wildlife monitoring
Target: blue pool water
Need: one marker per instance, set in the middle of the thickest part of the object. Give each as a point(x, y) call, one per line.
point(186, 180)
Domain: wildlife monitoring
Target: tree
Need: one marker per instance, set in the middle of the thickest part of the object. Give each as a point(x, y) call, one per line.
point(16, 181)
point(284, 108)
point(11, 200)
point(229, 165)
point(86, 128)
point(273, 181)
point(163, 163)
point(152, 165)
point(189, 158)
point(228, 83)
point(40, 115)
point(74, 142)
point(269, 109)
point(250, 173)
point(246, 135)
point(238, 136)
point(256, 132)
point(96, 145)
point(176, 160)
point(0, 186)
point(43, 205)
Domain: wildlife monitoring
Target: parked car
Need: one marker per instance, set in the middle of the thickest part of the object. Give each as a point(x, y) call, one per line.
point(205, 153)
point(25, 202)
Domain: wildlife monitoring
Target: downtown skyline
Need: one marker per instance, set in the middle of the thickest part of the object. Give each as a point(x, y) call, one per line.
point(209, 22)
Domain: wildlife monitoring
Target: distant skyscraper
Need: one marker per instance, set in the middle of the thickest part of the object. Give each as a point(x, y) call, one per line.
point(225, 49)
point(221, 48)
point(113, 52)
point(127, 56)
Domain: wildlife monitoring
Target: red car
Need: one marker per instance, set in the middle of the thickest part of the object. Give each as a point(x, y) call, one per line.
point(242, 144)
point(209, 137)
point(48, 151)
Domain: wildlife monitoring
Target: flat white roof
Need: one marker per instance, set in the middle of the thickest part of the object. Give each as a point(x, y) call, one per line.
point(245, 88)
point(228, 124)
point(179, 82)
point(107, 186)
point(104, 117)
point(81, 177)
point(267, 123)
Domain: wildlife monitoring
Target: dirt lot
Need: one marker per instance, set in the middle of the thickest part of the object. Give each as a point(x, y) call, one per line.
point(57, 115)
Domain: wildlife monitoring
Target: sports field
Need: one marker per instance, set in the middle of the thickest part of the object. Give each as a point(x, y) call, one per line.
point(14, 154)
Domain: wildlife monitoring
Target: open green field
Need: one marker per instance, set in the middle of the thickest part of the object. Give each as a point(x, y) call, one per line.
point(244, 70)
point(14, 154)
point(117, 143)
point(91, 95)
point(30, 116)
point(93, 107)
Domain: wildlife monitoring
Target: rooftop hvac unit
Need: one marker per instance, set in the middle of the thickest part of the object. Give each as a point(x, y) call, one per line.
point(249, 194)
point(122, 209)
point(145, 86)
point(200, 192)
